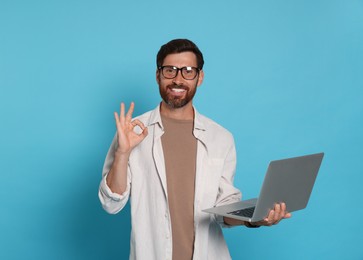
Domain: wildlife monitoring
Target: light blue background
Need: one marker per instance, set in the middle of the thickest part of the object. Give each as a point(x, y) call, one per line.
point(285, 77)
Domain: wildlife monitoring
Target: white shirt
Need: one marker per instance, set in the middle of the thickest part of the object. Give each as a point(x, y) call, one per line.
point(146, 187)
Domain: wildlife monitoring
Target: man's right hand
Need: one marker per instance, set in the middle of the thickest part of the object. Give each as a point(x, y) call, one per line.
point(127, 138)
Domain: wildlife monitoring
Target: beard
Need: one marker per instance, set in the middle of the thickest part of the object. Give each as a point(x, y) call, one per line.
point(177, 102)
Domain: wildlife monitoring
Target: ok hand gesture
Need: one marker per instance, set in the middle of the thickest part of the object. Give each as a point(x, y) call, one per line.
point(127, 138)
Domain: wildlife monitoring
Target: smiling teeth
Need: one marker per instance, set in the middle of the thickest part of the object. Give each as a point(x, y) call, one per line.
point(178, 89)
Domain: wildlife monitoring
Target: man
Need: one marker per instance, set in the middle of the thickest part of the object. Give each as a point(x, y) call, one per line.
point(173, 162)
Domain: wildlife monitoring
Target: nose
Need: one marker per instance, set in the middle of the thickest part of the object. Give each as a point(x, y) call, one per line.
point(178, 80)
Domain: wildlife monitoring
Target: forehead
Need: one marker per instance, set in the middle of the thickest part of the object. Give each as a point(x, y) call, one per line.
point(182, 59)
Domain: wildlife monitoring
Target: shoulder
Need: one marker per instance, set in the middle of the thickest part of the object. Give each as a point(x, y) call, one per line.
point(214, 130)
point(208, 123)
point(145, 116)
point(149, 117)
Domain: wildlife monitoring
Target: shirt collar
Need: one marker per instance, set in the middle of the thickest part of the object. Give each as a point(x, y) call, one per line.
point(155, 118)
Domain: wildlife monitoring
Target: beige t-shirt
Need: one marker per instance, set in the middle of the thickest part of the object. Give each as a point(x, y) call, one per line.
point(180, 151)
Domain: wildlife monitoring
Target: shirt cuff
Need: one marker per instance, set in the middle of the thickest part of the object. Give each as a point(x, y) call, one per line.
point(113, 195)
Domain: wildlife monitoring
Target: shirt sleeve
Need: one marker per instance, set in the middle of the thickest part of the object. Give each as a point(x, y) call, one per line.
point(112, 202)
point(228, 193)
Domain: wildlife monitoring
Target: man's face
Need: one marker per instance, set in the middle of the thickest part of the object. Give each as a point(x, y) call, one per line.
point(178, 92)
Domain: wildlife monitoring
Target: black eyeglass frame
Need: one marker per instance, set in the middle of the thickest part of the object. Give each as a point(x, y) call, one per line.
point(177, 71)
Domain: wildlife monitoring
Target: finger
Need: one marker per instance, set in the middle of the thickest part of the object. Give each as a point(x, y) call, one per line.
point(144, 132)
point(122, 113)
point(138, 123)
point(283, 207)
point(277, 212)
point(283, 210)
point(288, 215)
point(130, 111)
point(270, 217)
point(117, 119)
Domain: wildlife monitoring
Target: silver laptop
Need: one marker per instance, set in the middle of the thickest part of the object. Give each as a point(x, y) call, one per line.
point(289, 180)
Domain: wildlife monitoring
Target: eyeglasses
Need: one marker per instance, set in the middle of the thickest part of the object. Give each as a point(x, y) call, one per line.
point(170, 72)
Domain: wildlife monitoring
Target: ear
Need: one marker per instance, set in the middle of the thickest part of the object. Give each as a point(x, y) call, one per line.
point(158, 76)
point(200, 78)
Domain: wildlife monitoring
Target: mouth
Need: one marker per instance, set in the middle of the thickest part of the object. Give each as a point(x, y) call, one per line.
point(177, 91)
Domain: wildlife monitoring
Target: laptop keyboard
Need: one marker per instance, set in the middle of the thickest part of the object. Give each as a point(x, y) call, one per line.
point(247, 212)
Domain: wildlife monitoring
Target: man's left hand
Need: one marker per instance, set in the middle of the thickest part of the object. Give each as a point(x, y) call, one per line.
point(275, 216)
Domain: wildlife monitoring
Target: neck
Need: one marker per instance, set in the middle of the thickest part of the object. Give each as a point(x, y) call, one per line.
point(183, 113)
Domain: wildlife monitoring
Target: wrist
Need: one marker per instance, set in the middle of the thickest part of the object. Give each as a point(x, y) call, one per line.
point(250, 225)
point(121, 155)
point(232, 222)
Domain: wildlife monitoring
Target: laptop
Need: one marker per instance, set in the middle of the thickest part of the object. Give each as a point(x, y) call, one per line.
point(288, 180)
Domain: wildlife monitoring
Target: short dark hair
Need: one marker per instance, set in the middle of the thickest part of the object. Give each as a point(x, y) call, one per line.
point(178, 46)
